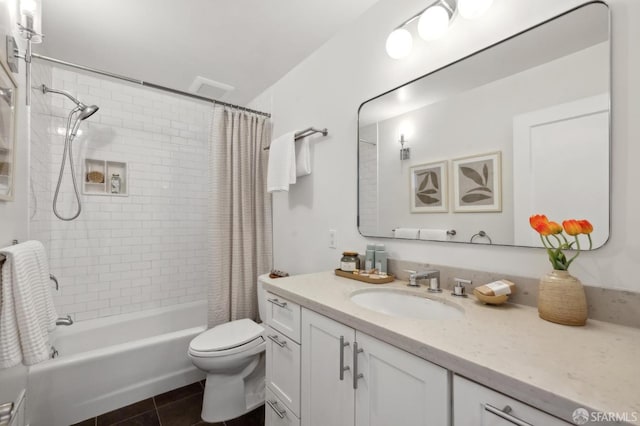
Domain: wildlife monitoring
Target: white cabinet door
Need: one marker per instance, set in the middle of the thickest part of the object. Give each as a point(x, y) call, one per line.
point(474, 404)
point(283, 369)
point(397, 388)
point(327, 398)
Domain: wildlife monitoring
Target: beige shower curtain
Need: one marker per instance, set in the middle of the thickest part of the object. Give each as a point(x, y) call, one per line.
point(239, 214)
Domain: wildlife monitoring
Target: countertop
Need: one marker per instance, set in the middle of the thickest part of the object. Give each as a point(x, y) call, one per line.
point(508, 348)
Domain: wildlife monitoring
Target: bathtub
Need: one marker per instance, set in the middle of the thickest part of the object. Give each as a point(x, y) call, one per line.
point(107, 363)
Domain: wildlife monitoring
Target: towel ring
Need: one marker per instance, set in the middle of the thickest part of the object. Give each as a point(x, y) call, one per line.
point(481, 234)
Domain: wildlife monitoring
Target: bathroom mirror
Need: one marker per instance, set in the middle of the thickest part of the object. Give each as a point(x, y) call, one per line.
point(478, 146)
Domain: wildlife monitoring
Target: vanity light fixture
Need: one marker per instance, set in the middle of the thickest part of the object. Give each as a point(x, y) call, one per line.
point(405, 153)
point(433, 23)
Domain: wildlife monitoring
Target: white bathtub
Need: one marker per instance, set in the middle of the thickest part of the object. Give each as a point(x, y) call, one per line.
point(107, 363)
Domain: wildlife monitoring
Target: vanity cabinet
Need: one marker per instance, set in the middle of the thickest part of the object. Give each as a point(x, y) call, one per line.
point(379, 385)
point(474, 404)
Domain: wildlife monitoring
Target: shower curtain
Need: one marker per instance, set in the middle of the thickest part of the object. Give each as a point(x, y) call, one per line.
point(240, 229)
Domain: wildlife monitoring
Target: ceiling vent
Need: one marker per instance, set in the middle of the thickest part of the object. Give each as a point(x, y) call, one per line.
point(209, 88)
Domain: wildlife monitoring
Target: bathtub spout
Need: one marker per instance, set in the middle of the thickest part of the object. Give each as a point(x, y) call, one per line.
point(64, 321)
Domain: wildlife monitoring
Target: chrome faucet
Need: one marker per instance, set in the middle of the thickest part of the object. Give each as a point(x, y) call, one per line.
point(64, 321)
point(433, 275)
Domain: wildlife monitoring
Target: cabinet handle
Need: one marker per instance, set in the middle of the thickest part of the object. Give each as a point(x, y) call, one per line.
point(275, 340)
point(274, 407)
point(356, 375)
point(504, 414)
point(278, 303)
point(343, 345)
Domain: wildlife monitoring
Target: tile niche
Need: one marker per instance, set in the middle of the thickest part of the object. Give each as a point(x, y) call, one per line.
point(101, 178)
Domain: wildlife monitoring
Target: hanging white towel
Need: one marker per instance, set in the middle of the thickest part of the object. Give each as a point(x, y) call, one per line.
point(27, 314)
point(303, 158)
point(408, 233)
point(281, 171)
point(434, 234)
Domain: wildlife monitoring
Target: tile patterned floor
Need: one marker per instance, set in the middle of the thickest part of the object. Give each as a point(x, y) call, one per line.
point(179, 407)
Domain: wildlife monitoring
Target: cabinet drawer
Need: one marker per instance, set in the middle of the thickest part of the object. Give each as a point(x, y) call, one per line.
point(284, 316)
point(283, 369)
point(479, 405)
point(277, 413)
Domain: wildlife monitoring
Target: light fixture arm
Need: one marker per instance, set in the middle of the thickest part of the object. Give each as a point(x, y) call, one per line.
point(449, 5)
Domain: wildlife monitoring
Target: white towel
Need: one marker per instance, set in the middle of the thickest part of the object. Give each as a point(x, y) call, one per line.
point(408, 233)
point(303, 158)
point(281, 171)
point(433, 234)
point(27, 314)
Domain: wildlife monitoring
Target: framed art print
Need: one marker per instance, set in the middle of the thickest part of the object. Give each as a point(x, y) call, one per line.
point(477, 183)
point(428, 188)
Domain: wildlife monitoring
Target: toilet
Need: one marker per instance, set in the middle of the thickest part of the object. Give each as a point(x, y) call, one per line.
point(232, 355)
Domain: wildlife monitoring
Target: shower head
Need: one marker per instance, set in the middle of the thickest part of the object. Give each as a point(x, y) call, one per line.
point(85, 111)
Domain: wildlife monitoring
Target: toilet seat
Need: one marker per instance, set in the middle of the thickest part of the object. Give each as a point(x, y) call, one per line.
point(227, 339)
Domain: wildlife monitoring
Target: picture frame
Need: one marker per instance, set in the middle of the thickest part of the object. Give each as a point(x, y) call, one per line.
point(8, 98)
point(429, 187)
point(477, 183)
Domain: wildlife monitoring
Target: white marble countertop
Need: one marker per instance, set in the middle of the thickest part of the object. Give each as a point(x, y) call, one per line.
point(508, 348)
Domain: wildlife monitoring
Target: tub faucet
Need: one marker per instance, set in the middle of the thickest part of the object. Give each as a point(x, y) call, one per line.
point(64, 321)
point(433, 275)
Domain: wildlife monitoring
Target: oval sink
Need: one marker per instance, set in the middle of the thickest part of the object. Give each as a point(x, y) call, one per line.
point(405, 305)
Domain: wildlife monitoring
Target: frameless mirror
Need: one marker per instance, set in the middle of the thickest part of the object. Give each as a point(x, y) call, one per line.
point(476, 147)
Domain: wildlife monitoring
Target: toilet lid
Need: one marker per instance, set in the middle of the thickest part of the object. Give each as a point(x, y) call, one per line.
point(226, 336)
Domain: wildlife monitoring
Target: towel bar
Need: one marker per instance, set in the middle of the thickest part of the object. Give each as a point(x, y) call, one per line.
point(2, 256)
point(306, 132)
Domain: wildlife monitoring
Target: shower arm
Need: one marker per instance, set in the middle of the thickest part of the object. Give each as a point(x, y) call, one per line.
point(46, 89)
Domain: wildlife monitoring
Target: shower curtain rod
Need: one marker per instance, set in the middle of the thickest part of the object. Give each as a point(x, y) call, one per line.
point(147, 84)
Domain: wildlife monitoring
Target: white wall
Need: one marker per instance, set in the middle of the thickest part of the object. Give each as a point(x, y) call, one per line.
point(327, 88)
point(123, 254)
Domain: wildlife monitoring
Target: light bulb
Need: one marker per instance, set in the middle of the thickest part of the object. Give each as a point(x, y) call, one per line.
point(472, 9)
point(399, 43)
point(28, 7)
point(433, 23)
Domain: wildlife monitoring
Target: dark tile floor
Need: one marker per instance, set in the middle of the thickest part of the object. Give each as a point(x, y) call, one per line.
point(179, 407)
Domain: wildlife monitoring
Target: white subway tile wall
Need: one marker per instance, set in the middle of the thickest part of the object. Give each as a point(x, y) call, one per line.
point(141, 251)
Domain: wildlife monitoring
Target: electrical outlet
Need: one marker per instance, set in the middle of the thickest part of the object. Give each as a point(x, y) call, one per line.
point(333, 238)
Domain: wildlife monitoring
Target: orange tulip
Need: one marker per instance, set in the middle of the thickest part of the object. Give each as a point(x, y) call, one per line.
point(537, 219)
point(586, 226)
point(572, 227)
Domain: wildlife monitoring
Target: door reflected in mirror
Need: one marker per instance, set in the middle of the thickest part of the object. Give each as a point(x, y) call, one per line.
point(517, 129)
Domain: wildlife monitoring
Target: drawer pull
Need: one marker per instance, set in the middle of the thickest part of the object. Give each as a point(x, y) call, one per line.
point(504, 414)
point(275, 340)
point(356, 375)
point(274, 407)
point(343, 345)
point(278, 303)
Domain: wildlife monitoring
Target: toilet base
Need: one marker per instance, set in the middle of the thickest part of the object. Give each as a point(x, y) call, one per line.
point(229, 396)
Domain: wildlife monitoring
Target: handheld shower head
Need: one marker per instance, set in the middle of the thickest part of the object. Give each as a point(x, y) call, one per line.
point(85, 111)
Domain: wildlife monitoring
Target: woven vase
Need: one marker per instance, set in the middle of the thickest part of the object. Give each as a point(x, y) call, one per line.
point(561, 299)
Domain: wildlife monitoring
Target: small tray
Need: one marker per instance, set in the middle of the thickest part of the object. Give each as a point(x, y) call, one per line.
point(390, 278)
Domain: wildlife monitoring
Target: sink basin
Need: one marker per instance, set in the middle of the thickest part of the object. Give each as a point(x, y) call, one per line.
point(405, 305)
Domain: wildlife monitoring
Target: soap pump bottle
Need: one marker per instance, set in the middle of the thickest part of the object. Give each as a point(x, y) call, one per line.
point(370, 258)
point(381, 258)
